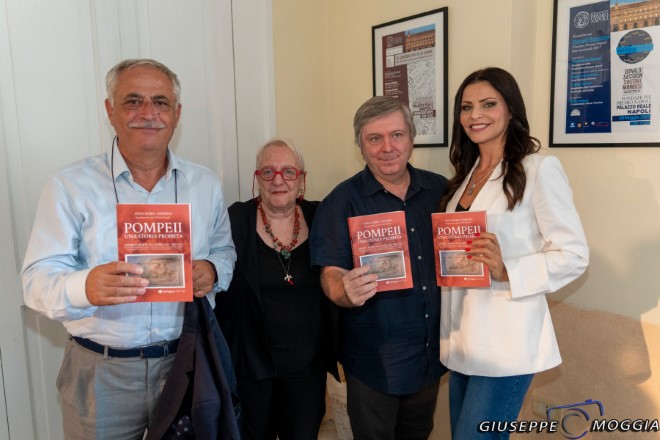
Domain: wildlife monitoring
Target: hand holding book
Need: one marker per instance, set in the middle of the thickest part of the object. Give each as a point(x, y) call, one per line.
point(486, 249)
point(360, 285)
point(107, 284)
point(349, 288)
point(203, 276)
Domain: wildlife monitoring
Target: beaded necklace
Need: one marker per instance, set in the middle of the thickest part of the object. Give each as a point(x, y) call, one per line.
point(281, 248)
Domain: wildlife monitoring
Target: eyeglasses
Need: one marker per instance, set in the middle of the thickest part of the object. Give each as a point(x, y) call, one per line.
point(287, 173)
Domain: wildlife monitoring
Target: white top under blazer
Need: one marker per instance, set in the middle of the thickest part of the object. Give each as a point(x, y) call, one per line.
point(506, 329)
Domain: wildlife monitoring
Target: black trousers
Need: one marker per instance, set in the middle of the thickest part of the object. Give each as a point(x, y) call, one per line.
point(290, 408)
point(379, 416)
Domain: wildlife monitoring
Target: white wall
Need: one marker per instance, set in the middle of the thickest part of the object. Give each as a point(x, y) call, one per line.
point(53, 60)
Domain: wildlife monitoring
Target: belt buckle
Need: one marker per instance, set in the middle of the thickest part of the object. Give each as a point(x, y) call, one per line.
point(166, 349)
point(142, 352)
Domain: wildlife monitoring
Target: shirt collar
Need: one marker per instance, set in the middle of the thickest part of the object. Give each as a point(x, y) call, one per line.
point(174, 162)
point(118, 164)
point(418, 181)
point(120, 167)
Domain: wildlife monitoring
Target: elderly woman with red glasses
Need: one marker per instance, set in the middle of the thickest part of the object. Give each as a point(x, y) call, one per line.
point(274, 315)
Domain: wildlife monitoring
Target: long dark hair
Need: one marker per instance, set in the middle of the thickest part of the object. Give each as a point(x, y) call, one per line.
point(463, 153)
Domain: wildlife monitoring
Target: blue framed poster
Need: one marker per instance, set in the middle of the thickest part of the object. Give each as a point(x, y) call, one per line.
point(605, 70)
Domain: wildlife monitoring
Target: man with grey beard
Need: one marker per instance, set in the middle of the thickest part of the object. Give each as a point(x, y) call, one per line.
point(120, 350)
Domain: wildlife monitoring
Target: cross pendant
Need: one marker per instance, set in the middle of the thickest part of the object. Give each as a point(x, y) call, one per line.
point(289, 279)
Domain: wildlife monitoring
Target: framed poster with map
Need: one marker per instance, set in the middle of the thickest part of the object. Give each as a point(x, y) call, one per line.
point(410, 63)
point(605, 70)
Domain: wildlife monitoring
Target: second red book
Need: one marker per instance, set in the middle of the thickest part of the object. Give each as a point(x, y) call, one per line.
point(381, 242)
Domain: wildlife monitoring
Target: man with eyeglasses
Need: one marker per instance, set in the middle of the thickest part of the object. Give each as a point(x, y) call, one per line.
point(121, 351)
point(388, 341)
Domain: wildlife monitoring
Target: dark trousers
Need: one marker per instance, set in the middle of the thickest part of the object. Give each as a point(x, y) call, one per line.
point(379, 416)
point(290, 408)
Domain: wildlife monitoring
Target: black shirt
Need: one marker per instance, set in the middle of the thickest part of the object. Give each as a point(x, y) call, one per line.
point(291, 312)
point(392, 343)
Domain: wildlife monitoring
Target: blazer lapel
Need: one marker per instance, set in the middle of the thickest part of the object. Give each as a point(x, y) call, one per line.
point(489, 192)
point(487, 195)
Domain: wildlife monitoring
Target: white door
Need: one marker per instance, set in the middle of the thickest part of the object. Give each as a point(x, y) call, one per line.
point(53, 60)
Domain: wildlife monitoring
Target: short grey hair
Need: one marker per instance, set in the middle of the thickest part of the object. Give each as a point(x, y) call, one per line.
point(283, 142)
point(378, 107)
point(111, 77)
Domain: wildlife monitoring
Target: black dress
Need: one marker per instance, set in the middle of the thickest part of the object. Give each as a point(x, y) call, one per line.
point(279, 334)
point(291, 312)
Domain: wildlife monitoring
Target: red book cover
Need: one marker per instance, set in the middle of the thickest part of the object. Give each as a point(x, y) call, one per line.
point(381, 242)
point(157, 237)
point(451, 231)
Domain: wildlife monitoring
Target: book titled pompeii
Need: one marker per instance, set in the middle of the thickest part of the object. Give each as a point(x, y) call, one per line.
point(451, 232)
point(157, 237)
point(381, 242)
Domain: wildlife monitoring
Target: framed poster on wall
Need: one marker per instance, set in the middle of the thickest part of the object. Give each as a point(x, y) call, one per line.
point(605, 74)
point(410, 63)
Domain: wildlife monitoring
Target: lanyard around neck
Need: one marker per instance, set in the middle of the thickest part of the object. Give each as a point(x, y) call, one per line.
point(115, 141)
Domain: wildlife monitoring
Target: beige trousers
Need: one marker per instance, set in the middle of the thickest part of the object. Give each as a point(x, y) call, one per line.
point(108, 398)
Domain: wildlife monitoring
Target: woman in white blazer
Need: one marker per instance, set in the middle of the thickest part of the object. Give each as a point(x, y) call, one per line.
point(495, 338)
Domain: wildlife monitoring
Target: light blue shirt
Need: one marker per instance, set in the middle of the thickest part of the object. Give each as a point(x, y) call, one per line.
point(75, 229)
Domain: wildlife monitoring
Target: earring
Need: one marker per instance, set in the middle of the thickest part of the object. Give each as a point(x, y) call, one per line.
point(301, 192)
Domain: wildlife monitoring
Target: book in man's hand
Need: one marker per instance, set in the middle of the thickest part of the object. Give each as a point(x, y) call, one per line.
point(157, 237)
point(381, 242)
point(451, 232)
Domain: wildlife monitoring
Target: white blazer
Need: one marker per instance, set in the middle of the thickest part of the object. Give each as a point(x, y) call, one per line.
point(506, 329)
